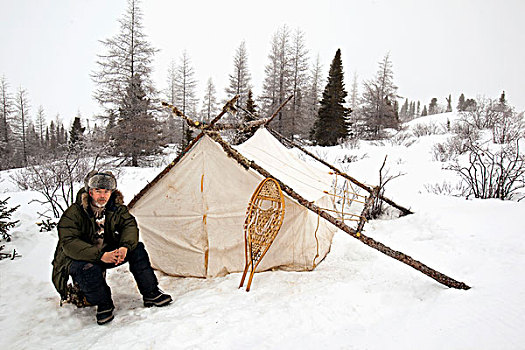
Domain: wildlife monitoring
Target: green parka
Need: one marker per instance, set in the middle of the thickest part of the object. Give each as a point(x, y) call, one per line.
point(76, 235)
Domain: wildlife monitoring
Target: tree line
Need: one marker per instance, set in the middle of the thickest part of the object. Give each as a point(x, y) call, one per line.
point(133, 127)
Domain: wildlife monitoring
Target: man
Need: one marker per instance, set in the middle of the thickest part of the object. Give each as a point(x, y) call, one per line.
point(97, 232)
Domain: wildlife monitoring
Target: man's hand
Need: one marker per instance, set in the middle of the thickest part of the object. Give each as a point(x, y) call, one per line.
point(110, 257)
point(122, 252)
point(116, 256)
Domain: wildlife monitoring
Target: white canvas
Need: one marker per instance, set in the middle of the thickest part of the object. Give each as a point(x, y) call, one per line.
point(192, 219)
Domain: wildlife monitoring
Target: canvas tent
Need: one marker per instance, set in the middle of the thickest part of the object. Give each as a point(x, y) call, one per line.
point(191, 218)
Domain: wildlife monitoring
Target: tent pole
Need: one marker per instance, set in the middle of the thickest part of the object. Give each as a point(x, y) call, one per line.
point(404, 210)
point(228, 107)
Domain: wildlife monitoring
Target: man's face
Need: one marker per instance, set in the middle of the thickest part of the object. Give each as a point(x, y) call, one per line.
point(100, 196)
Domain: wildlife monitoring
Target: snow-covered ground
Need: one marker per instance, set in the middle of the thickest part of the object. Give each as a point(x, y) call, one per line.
point(357, 298)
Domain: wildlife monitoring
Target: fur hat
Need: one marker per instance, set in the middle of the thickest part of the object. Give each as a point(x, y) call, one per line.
point(100, 179)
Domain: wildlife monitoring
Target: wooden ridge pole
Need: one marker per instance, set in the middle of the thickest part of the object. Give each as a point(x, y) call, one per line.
point(438, 276)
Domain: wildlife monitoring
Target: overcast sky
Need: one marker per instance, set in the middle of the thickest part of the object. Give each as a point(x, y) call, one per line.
point(49, 47)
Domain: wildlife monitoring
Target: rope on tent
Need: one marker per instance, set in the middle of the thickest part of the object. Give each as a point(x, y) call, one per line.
point(299, 171)
point(314, 265)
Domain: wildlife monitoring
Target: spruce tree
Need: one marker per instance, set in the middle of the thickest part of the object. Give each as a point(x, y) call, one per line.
point(250, 115)
point(502, 99)
point(136, 126)
point(331, 124)
point(75, 134)
point(5, 219)
point(433, 106)
point(125, 67)
point(461, 103)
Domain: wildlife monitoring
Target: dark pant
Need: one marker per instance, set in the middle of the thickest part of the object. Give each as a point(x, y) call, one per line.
point(90, 277)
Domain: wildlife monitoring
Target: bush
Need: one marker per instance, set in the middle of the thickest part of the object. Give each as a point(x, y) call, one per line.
point(447, 188)
point(427, 129)
point(499, 174)
point(451, 149)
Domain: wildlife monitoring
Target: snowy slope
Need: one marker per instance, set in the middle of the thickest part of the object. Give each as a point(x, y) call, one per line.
point(357, 298)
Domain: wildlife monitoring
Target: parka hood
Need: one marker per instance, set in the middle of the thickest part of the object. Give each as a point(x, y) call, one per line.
point(117, 198)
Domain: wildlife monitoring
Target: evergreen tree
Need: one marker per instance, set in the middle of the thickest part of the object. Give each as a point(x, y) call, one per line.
point(5, 219)
point(137, 127)
point(128, 54)
point(412, 111)
point(461, 103)
point(240, 78)
point(313, 96)
point(53, 143)
point(250, 115)
point(276, 85)
point(378, 96)
point(76, 132)
point(209, 103)
point(404, 112)
point(298, 82)
point(128, 59)
point(40, 124)
point(22, 121)
point(34, 148)
point(6, 109)
point(502, 99)
point(331, 125)
point(470, 104)
point(433, 106)
point(251, 107)
point(424, 113)
point(449, 103)
point(184, 85)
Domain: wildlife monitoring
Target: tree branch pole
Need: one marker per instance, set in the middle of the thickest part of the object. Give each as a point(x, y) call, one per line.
point(404, 210)
point(228, 107)
point(438, 276)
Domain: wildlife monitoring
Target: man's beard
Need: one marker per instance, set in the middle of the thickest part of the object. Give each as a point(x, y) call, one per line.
point(100, 205)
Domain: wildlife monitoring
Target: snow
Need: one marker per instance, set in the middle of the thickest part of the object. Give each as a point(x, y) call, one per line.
point(357, 298)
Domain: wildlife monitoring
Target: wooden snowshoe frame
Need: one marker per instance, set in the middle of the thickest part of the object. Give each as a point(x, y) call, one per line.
point(264, 217)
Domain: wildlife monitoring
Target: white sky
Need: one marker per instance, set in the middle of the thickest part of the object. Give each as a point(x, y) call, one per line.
point(49, 47)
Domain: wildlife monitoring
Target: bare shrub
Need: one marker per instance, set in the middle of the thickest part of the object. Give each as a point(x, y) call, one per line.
point(481, 115)
point(451, 148)
point(499, 174)
point(349, 158)
point(350, 143)
point(447, 188)
point(509, 126)
point(378, 207)
point(56, 180)
point(402, 139)
point(427, 129)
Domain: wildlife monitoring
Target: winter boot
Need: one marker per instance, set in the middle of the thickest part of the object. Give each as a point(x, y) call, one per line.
point(105, 313)
point(156, 298)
